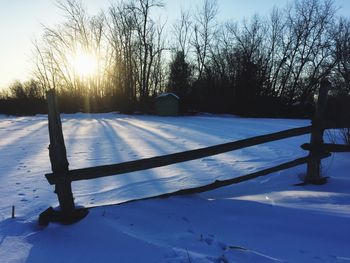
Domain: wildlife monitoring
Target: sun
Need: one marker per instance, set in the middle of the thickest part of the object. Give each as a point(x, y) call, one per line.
point(84, 64)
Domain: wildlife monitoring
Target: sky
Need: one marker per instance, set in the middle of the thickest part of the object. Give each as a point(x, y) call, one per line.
point(21, 22)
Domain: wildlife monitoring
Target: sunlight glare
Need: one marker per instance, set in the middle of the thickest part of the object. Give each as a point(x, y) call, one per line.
point(84, 64)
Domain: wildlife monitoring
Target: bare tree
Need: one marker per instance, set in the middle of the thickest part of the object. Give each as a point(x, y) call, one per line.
point(282, 56)
point(204, 29)
point(54, 54)
point(122, 58)
point(148, 48)
point(342, 56)
point(137, 45)
point(306, 48)
point(182, 33)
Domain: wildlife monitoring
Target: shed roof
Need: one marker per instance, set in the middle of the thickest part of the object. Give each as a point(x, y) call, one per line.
point(167, 94)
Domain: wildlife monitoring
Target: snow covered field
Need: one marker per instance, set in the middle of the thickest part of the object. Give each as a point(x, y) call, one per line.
point(263, 220)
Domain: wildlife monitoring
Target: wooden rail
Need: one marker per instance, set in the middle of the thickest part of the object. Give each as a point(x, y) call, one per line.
point(159, 161)
point(235, 180)
point(326, 147)
point(62, 177)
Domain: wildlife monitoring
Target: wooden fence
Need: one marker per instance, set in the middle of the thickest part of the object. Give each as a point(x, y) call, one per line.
point(62, 177)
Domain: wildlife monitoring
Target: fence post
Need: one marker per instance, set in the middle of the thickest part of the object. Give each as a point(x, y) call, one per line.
point(313, 172)
point(58, 156)
point(68, 213)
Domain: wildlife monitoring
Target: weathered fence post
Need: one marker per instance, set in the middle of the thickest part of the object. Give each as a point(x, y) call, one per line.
point(313, 172)
point(58, 155)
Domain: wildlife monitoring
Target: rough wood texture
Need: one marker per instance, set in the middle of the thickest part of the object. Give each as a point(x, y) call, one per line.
point(326, 147)
point(58, 155)
point(148, 163)
point(313, 173)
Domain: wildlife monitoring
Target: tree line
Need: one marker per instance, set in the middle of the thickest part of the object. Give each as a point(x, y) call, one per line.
point(262, 66)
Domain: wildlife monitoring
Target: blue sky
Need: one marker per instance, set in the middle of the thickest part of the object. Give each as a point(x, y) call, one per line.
point(20, 23)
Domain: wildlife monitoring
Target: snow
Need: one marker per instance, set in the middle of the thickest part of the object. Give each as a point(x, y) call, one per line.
point(263, 220)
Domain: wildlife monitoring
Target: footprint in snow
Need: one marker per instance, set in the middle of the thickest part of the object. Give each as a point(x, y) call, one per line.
point(210, 240)
point(221, 245)
point(208, 160)
point(185, 219)
point(171, 255)
point(190, 231)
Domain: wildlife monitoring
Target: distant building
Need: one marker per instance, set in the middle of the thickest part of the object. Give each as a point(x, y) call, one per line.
point(167, 104)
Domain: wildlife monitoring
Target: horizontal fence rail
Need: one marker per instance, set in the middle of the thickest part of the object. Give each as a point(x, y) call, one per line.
point(159, 161)
point(235, 180)
point(63, 177)
point(326, 147)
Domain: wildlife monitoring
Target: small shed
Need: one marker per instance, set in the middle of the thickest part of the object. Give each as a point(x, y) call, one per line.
point(167, 104)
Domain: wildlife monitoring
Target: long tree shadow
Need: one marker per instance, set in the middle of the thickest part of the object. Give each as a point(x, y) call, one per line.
point(145, 137)
point(100, 149)
point(103, 137)
point(126, 182)
point(118, 141)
